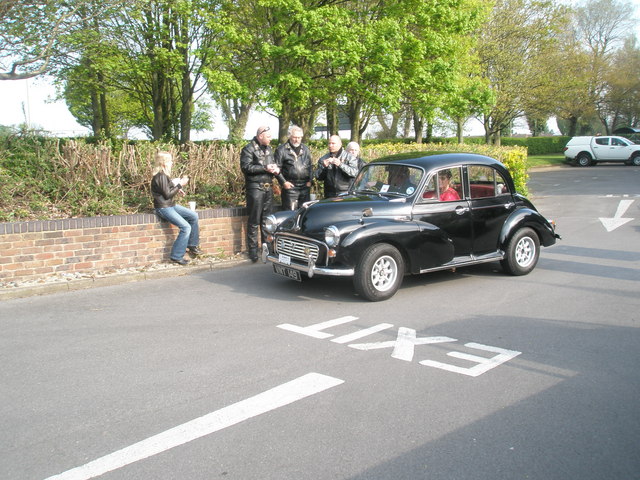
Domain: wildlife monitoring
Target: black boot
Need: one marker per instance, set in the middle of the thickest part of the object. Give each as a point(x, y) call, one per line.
point(252, 242)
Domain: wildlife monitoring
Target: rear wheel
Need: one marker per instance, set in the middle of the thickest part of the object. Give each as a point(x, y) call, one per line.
point(522, 252)
point(583, 160)
point(379, 273)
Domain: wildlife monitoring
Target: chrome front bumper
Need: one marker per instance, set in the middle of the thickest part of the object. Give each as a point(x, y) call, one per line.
point(310, 268)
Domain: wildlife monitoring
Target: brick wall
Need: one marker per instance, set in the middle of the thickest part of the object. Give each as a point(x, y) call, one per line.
point(40, 248)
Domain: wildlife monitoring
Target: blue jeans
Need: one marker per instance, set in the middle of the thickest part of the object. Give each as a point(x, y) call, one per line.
point(187, 221)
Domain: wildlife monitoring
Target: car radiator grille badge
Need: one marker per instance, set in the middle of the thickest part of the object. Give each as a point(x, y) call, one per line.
point(297, 249)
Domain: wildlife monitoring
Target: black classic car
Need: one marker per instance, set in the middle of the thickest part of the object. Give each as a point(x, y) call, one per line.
point(410, 215)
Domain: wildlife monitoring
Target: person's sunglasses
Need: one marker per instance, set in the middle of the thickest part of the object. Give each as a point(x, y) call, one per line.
point(262, 130)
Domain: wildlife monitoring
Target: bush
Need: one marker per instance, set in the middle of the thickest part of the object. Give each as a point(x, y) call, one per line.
point(538, 145)
point(46, 178)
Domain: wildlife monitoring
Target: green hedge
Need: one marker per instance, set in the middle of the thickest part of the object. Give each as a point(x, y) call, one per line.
point(46, 178)
point(538, 145)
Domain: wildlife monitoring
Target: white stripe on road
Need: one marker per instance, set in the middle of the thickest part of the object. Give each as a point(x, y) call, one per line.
point(276, 397)
point(315, 331)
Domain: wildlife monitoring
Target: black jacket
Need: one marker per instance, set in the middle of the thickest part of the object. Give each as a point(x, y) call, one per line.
point(163, 190)
point(253, 161)
point(337, 179)
point(296, 168)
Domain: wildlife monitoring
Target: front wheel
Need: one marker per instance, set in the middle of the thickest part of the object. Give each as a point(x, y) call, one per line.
point(635, 160)
point(522, 252)
point(379, 273)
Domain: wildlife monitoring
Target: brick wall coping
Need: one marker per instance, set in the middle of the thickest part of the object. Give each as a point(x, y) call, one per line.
point(106, 221)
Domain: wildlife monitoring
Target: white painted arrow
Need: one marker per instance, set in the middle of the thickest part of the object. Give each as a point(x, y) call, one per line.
point(617, 221)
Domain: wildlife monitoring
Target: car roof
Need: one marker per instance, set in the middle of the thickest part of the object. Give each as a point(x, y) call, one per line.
point(430, 161)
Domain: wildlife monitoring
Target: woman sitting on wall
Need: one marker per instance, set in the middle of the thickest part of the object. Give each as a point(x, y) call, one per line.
point(164, 191)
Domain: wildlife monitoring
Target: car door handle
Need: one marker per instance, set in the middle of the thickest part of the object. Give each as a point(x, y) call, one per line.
point(509, 205)
point(460, 210)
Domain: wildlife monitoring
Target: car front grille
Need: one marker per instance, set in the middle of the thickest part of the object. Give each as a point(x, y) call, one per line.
point(296, 248)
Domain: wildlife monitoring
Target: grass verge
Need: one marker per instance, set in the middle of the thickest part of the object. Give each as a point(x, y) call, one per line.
point(535, 161)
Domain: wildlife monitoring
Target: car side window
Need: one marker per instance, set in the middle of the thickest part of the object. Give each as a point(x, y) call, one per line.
point(617, 142)
point(485, 182)
point(602, 141)
point(445, 186)
point(501, 185)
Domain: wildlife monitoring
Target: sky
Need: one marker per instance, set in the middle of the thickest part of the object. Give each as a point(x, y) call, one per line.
point(32, 102)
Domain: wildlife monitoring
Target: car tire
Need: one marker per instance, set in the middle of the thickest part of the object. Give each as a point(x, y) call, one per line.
point(583, 160)
point(379, 273)
point(522, 252)
point(635, 160)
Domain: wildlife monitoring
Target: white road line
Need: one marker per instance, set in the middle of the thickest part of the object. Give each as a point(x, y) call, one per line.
point(484, 364)
point(315, 331)
point(362, 333)
point(276, 397)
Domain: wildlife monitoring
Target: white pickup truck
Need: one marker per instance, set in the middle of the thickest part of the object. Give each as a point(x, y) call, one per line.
point(585, 151)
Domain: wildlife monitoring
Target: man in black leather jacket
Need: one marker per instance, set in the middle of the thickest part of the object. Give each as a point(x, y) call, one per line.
point(337, 168)
point(294, 159)
point(259, 169)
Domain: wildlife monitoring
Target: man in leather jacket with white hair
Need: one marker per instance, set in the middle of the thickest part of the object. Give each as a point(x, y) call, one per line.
point(294, 159)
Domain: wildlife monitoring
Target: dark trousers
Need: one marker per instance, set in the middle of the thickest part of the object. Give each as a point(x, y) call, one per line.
point(293, 198)
point(259, 201)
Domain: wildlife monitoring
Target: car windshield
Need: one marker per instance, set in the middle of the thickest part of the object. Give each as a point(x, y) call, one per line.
point(399, 180)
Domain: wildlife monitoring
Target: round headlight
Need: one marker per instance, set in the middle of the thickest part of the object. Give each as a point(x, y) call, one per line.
point(270, 224)
point(332, 236)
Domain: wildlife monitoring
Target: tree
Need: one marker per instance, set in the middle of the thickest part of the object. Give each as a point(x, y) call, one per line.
point(437, 55)
point(513, 45)
point(113, 114)
point(162, 46)
point(469, 97)
point(601, 26)
point(621, 103)
point(36, 36)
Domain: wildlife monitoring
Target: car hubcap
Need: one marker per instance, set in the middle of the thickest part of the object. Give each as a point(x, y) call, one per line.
point(525, 251)
point(384, 273)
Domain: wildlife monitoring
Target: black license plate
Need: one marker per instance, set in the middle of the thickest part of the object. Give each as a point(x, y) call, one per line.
point(287, 272)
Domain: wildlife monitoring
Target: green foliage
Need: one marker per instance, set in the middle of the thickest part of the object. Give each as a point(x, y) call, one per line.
point(514, 51)
point(538, 145)
point(47, 178)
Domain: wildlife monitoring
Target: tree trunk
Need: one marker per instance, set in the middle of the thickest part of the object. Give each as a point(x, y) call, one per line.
point(96, 118)
point(284, 120)
point(355, 109)
point(573, 125)
point(332, 119)
point(186, 110)
point(306, 121)
point(235, 114)
point(386, 129)
point(429, 137)
point(157, 105)
point(418, 125)
point(486, 122)
point(406, 129)
point(104, 109)
point(391, 130)
point(460, 130)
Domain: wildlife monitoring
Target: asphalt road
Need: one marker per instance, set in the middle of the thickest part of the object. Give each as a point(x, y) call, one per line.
point(239, 374)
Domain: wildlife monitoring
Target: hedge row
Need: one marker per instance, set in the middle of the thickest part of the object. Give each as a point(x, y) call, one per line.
point(46, 178)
